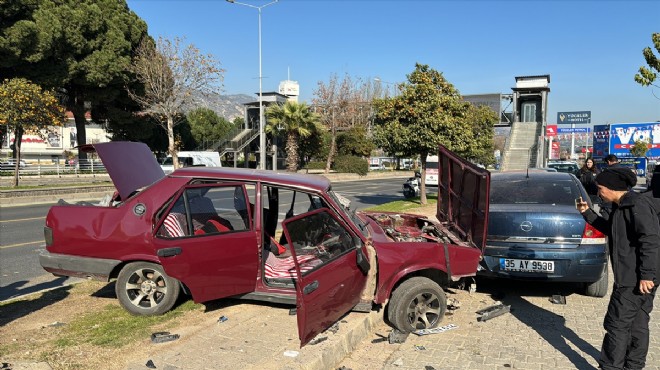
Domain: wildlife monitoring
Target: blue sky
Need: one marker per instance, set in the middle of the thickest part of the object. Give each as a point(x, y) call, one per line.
point(590, 49)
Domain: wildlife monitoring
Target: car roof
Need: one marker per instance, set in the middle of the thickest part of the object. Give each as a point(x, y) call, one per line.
point(314, 182)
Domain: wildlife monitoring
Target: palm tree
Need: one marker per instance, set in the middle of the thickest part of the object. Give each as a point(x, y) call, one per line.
point(294, 120)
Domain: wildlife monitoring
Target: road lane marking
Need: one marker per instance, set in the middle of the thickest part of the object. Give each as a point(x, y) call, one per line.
point(23, 219)
point(21, 244)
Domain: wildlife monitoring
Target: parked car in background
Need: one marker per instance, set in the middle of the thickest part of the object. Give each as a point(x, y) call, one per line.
point(536, 233)
point(376, 167)
point(188, 159)
point(432, 175)
point(565, 166)
point(216, 232)
point(10, 164)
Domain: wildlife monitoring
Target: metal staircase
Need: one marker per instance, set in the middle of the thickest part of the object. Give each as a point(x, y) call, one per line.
point(235, 141)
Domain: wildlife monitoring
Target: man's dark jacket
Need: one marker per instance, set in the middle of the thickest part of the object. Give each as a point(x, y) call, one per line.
point(633, 236)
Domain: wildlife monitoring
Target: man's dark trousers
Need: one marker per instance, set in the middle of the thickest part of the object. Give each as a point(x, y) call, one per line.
point(626, 342)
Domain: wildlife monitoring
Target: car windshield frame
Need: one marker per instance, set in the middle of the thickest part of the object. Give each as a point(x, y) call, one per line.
point(344, 203)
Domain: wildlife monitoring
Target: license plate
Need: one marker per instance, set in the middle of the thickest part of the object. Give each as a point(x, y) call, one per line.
point(507, 264)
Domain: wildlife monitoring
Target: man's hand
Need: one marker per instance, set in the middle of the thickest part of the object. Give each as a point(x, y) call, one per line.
point(581, 205)
point(646, 286)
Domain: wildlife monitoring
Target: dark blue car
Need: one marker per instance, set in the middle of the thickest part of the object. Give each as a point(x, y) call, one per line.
point(536, 233)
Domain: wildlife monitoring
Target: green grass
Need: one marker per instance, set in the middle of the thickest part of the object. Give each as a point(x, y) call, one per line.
point(404, 205)
point(115, 327)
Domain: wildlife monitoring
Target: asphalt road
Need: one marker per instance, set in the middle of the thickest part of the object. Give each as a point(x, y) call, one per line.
point(21, 235)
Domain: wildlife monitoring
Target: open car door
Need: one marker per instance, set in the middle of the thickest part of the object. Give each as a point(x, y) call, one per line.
point(330, 270)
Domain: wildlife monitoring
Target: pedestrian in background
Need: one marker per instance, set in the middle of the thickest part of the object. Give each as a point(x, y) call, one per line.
point(633, 237)
point(587, 175)
point(606, 207)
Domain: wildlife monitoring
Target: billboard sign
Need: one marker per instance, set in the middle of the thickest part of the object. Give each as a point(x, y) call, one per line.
point(622, 137)
point(551, 130)
point(580, 117)
point(492, 101)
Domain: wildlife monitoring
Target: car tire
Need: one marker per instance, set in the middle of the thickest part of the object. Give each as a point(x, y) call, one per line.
point(599, 287)
point(144, 289)
point(418, 303)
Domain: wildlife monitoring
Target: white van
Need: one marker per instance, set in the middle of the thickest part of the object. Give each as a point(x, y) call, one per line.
point(187, 159)
point(432, 175)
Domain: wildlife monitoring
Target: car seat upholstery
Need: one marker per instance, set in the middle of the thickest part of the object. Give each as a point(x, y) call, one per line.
point(175, 225)
point(284, 268)
point(212, 226)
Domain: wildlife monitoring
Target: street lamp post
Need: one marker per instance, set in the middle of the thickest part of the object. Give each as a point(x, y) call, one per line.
point(262, 120)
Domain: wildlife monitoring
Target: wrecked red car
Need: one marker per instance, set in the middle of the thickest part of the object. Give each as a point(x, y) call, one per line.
point(262, 235)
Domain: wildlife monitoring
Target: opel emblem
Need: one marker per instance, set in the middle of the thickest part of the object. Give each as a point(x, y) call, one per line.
point(526, 226)
point(139, 209)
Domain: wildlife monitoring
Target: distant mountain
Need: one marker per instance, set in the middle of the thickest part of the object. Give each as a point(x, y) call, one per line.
point(226, 106)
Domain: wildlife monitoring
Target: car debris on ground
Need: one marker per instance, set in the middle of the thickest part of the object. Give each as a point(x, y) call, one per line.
point(397, 337)
point(493, 311)
point(163, 336)
point(558, 299)
point(440, 329)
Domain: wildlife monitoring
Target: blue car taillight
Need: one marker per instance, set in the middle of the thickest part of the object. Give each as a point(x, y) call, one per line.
point(592, 236)
point(48, 236)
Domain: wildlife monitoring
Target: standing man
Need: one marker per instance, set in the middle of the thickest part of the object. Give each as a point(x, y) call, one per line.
point(606, 207)
point(634, 243)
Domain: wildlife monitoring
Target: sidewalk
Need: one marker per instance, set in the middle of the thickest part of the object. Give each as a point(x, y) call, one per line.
point(257, 336)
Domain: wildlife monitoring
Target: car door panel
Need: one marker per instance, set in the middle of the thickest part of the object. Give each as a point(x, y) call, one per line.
point(212, 266)
point(333, 286)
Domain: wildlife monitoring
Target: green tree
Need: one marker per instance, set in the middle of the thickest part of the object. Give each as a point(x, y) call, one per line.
point(81, 47)
point(640, 148)
point(648, 74)
point(429, 111)
point(482, 121)
point(294, 121)
point(25, 107)
point(207, 126)
point(173, 76)
point(355, 142)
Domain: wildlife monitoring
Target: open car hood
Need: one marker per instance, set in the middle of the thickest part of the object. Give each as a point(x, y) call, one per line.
point(463, 197)
point(131, 165)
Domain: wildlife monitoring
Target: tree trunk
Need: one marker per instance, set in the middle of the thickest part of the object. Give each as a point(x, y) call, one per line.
point(78, 110)
point(18, 137)
point(333, 143)
point(291, 152)
point(170, 142)
point(422, 188)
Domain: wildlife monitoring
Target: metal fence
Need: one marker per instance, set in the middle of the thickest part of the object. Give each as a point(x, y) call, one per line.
point(42, 168)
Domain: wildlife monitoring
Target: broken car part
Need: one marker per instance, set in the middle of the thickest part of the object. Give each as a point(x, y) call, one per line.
point(493, 311)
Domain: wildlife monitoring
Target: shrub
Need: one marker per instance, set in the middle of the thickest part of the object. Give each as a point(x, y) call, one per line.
point(351, 164)
point(316, 165)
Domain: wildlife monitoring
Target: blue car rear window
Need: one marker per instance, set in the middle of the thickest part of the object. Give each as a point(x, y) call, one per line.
point(527, 191)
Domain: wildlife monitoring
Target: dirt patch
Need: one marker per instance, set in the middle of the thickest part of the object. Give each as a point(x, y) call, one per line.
point(33, 328)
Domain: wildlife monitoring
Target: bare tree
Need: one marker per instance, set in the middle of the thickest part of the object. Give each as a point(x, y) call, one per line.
point(342, 105)
point(173, 76)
